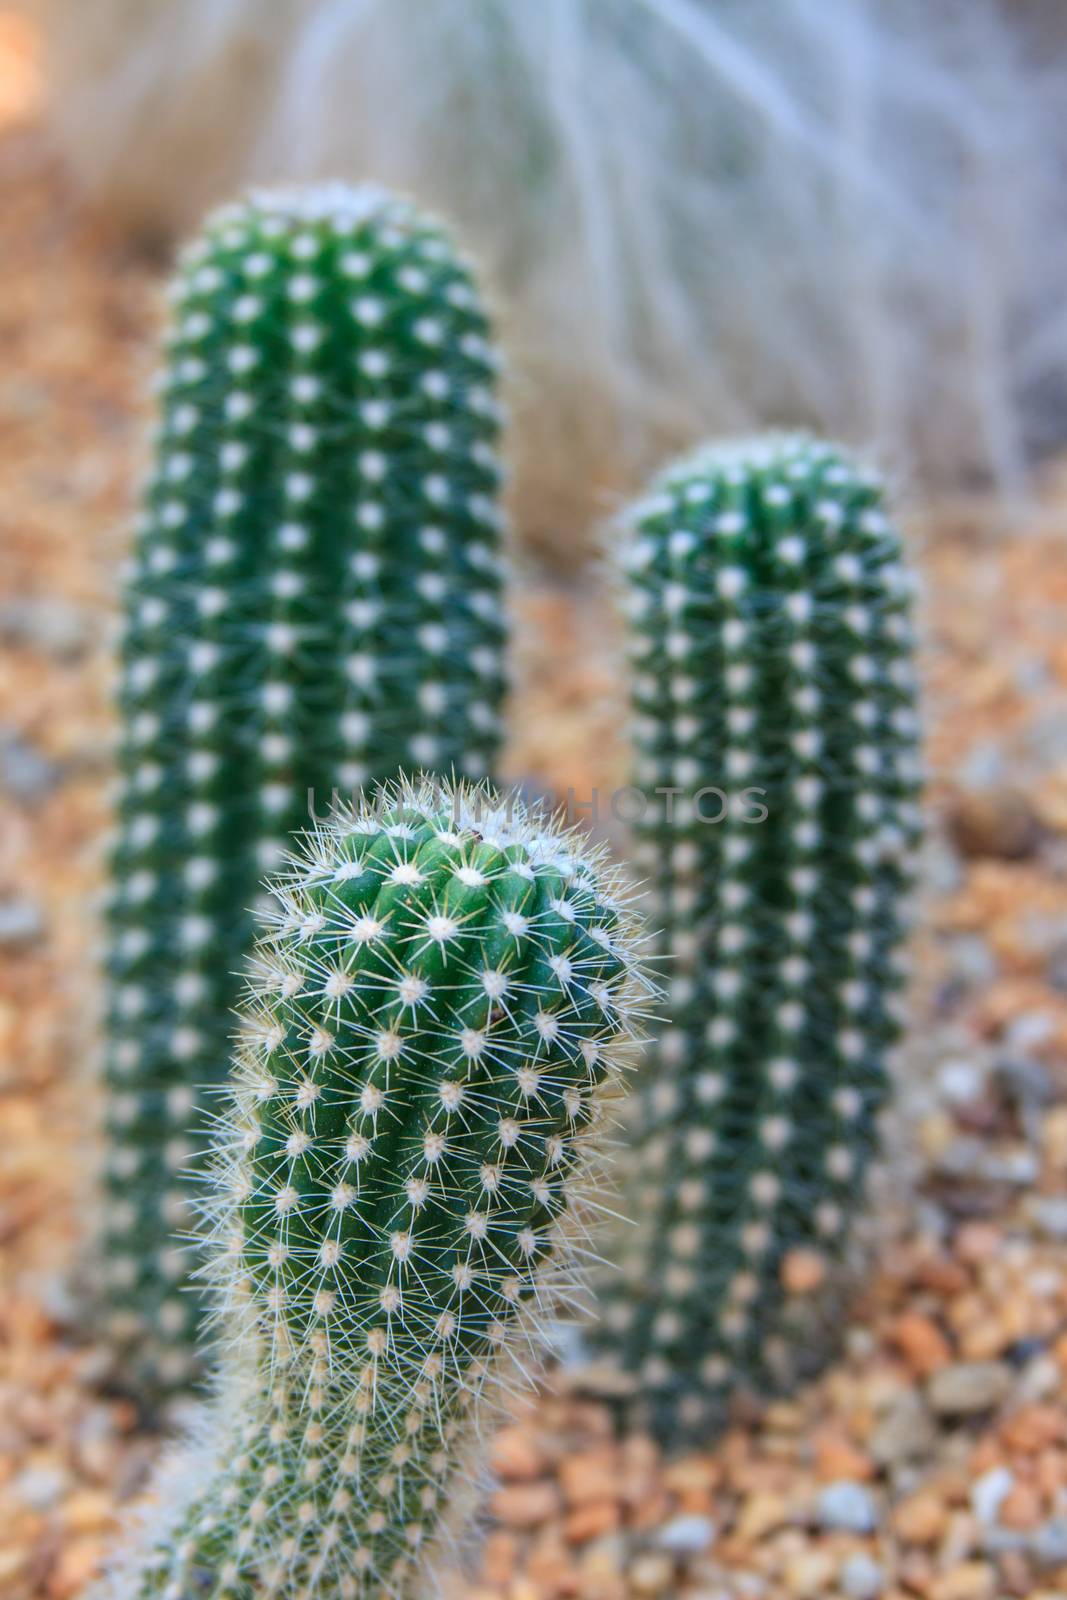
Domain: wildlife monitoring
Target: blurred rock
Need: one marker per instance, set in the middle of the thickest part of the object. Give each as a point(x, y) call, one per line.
point(21, 923)
point(904, 1433)
point(46, 623)
point(989, 1492)
point(861, 1578)
point(687, 1535)
point(1049, 1543)
point(969, 1388)
point(994, 822)
point(846, 1507)
point(24, 773)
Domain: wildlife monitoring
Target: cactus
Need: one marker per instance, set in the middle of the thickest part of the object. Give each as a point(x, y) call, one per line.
point(447, 990)
point(314, 605)
point(771, 652)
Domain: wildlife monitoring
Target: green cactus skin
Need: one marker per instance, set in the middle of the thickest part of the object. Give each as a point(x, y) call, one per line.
point(315, 605)
point(771, 649)
point(446, 994)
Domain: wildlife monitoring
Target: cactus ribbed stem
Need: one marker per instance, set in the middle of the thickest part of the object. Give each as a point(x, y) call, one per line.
point(315, 605)
point(446, 992)
point(768, 614)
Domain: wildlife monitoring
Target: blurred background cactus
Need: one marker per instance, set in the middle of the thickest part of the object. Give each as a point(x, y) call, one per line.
point(448, 986)
point(315, 603)
point(632, 175)
point(771, 652)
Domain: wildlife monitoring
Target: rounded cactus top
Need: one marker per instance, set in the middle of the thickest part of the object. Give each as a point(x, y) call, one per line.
point(763, 504)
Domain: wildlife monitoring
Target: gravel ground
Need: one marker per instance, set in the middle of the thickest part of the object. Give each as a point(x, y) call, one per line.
point(931, 1459)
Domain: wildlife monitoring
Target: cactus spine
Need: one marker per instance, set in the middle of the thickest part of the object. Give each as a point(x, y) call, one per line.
point(446, 991)
point(314, 605)
point(771, 652)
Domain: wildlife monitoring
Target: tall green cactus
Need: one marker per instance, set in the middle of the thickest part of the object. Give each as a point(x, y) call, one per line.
point(315, 605)
point(447, 989)
point(771, 647)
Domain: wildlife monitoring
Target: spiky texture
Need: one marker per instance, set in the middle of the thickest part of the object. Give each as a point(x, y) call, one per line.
point(772, 659)
point(443, 997)
point(315, 605)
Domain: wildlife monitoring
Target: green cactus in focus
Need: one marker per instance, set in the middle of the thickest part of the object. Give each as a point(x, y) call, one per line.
point(448, 988)
point(772, 664)
point(315, 604)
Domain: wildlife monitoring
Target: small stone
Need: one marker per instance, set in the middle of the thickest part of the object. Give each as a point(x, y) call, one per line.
point(651, 1574)
point(40, 1487)
point(861, 1578)
point(1025, 1082)
point(846, 1507)
point(1028, 1029)
point(904, 1433)
point(24, 773)
point(921, 1519)
point(921, 1342)
point(972, 960)
point(525, 1505)
point(88, 1511)
point(1034, 1427)
point(969, 1388)
point(499, 1556)
point(602, 1564)
point(687, 1535)
point(692, 1476)
point(12, 1562)
point(960, 1081)
point(809, 1574)
point(1049, 1543)
point(989, 1492)
point(1049, 1213)
point(837, 1457)
point(971, 1580)
point(971, 1160)
point(45, 623)
point(978, 1242)
point(1021, 1508)
point(78, 1563)
point(759, 1515)
point(591, 1521)
point(589, 1475)
point(997, 822)
point(517, 1454)
point(21, 923)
